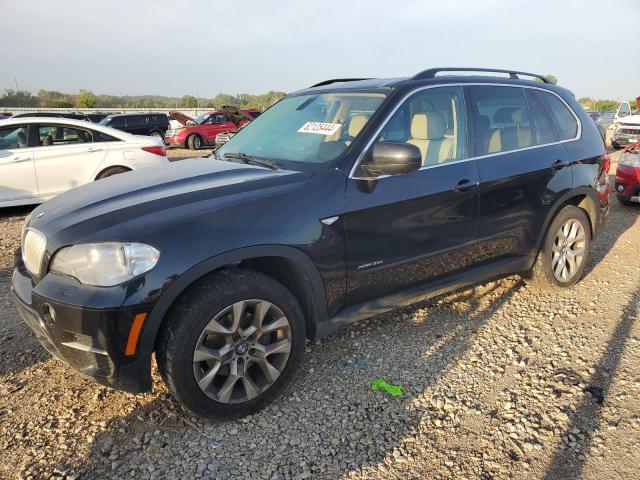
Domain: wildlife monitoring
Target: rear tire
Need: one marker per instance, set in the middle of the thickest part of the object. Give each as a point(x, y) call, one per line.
point(157, 135)
point(194, 142)
point(109, 172)
point(564, 253)
point(236, 327)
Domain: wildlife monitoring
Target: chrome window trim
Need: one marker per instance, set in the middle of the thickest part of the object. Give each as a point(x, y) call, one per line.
point(426, 167)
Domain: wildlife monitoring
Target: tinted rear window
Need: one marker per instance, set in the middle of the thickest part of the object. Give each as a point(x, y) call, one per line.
point(542, 126)
point(565, 123)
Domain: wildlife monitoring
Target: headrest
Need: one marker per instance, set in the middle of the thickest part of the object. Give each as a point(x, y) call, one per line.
point(21, 137)
point(511, 115)
point(428, 126)
point(47, 140)
point(356, 124)
point(483, 122)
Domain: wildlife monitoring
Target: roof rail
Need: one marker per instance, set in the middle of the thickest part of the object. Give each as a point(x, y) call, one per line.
point(337, 80)
point(431, 73)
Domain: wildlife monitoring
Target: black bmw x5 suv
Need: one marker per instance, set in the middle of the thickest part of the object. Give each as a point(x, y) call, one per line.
point(342, 201)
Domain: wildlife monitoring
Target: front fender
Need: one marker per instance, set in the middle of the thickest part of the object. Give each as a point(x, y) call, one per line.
point(184, 281)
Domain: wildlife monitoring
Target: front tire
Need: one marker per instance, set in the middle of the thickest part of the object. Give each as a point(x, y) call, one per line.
point(231, 344)
point(194, 142)
point(564, 254)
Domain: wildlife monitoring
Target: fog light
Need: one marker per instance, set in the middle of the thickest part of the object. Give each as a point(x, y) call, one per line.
point(49, 313)
point(621, 188)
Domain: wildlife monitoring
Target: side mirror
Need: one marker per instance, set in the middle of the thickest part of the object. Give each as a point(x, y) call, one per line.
point(393, 158)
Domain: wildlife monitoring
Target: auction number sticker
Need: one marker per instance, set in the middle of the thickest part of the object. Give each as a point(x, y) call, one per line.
point(320, 128)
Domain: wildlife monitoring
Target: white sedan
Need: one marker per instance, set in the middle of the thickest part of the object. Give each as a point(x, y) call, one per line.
point(42, 157)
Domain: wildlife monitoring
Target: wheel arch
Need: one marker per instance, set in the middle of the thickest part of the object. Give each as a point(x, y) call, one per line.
point(583, 198)
point(109, 167)
point(288, 265)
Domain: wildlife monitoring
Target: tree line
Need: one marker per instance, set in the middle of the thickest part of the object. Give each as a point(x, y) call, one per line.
point(87, 100)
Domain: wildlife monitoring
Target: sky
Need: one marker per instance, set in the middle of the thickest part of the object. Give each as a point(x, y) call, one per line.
point(174, 48)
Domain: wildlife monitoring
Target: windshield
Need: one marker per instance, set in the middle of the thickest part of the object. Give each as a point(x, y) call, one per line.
point(201, 118)
point(306, 128)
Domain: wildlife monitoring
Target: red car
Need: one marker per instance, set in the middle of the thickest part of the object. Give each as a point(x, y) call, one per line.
point(628, 175)
point(202, 130)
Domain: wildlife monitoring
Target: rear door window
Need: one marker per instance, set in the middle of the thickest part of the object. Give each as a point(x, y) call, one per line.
point(51, 135)
point(542, 127)
point(564, 121)
point(502, 119)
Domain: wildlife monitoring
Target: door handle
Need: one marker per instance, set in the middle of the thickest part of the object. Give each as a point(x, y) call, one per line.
point(463, 185)
point(93, 149)
point(21, 159)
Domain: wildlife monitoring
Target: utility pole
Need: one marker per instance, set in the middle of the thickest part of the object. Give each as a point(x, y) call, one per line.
point(15, 80)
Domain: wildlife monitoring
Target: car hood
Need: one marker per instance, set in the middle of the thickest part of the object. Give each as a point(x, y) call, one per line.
point(630, 120)
point(154, 192)
point(183, 118)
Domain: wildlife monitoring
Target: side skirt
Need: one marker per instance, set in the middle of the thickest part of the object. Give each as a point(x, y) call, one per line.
point(419, 293)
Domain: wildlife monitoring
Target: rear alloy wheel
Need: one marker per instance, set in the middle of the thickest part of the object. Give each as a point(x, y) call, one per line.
point(231, 343)
point(564, 253)
point(194, 142)
point(568, 250)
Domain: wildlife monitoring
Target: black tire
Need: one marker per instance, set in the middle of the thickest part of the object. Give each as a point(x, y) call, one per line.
point(625, 202)
point(542, 275)
point(180, 335)
point(194, 142)
point(157, 135)
point(109, 172)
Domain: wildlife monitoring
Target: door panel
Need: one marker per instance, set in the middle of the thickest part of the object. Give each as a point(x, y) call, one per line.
point(522, 168)
point(18, 174)
point(66, 158)
point(517, 191)
point(409, 230)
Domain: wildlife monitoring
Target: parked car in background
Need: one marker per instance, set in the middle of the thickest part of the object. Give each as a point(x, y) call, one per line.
point(202, 130)
point(626, 126)
point(342, 201)
point(4, 115)
point(595, 116)
point(41, 157)
point(627, 184)
point(74, 116)
point(151, 124)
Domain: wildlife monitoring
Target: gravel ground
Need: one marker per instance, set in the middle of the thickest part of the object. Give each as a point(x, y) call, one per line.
point(501, 381)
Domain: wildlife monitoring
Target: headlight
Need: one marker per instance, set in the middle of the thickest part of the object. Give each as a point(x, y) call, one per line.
point(104, 264)
point(630, 159)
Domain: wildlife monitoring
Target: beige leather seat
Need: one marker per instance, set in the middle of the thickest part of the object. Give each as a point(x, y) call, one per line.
point(427, 133)
point(511, 138)
point(356, 124)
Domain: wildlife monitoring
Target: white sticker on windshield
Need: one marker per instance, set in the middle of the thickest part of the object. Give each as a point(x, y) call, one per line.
point(320, 128)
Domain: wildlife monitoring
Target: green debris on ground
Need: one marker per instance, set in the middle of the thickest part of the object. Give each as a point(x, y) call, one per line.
point(393, 390)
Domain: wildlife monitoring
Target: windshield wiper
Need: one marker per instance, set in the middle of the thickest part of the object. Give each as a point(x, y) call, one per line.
point(243, 157)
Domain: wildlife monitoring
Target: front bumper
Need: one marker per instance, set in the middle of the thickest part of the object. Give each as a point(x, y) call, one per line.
point(174, 142)
point(92, 341)
point(627, 184)
point(625, 139)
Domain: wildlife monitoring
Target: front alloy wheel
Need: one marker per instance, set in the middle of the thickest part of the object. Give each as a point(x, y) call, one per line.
point(231, 343)
point(242, 351)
